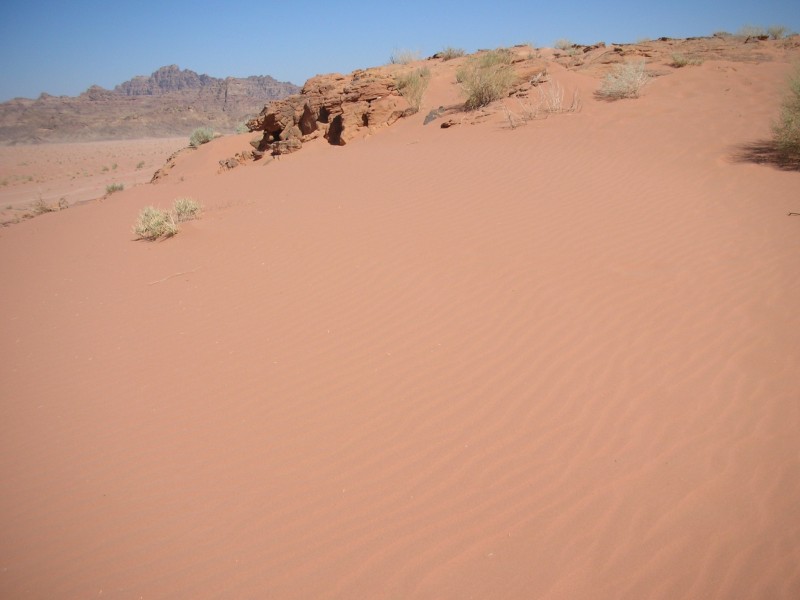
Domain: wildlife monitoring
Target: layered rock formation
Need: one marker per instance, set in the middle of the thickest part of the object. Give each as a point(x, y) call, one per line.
point(171, 79)
point(169, 102)
point(337, 107)
point(163, 81)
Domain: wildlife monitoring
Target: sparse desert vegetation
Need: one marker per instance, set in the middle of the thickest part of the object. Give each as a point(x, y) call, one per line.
point(200, 136)
point(114, 187)
point(562, 44)
point(155, 223)
point(185, 209)
point(551, 98)
point(450, 53)
point(752, 31)
point(403, 57)
point(625, 80)
point(777, 32)
point(681, 60)
point(486, 77)
point(413, 85)
point(787, 129)
point(40, 207)
point(550, 101)
point(74, 171)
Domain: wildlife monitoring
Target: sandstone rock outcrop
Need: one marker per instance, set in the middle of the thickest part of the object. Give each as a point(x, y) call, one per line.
point(337, 107)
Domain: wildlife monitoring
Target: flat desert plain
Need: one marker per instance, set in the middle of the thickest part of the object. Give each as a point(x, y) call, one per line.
point(75, 172)
point(555, 361)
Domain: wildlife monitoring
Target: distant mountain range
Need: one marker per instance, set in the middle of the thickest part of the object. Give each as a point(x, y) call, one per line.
point(169, 102)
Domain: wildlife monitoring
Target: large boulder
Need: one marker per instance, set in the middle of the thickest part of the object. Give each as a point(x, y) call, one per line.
point(339, 107)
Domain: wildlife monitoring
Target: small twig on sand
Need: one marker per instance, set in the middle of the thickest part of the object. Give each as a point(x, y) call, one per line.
point(796, 214)
point(173, 275)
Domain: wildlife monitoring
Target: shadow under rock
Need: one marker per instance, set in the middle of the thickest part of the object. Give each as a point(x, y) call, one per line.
point(766, 152)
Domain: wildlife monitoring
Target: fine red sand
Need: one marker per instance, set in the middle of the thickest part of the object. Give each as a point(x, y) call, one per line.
point(558, 361)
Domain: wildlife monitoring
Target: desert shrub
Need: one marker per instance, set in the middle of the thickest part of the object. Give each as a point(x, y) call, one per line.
point(450, 53)
point(185, 209)
point(787, 128)
point(242, 128)
point(40, 207)
point(413, 85)
point(722, 34)
point(777, 32)
point(114, 187)
point(201, 135)
point(493, 58)
point(486, 77)
point(681, 60)
point(140, 164)
point(562, 44)
point(154, 223)
point(624, 81)
point(551, 99)
point(752, 31)
point(403, 57)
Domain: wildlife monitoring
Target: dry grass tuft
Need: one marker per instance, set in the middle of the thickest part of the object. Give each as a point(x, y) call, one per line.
point(786, 130)
point(681, 60)
point(450, 53)
point(154, 223)
point(624, 81)
point(486, 78)
point(752, 31)
point(185, 209)
point(200, 136)
point(403, 57)
point(551, 99)
point(413, 85)
point(40, 207)
point(777, 32)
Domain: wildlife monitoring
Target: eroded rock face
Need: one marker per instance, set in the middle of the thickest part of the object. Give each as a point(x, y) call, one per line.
point(170, 102)
point(338, 107)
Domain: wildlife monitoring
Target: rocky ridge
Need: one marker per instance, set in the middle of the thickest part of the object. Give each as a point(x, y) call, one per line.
point(336, 107)
point(169, 102)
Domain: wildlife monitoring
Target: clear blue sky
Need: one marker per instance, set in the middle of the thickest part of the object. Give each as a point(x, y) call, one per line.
point(63, 47)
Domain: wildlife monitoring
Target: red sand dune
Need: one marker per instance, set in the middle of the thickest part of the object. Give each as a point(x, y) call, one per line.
point(559, 361)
